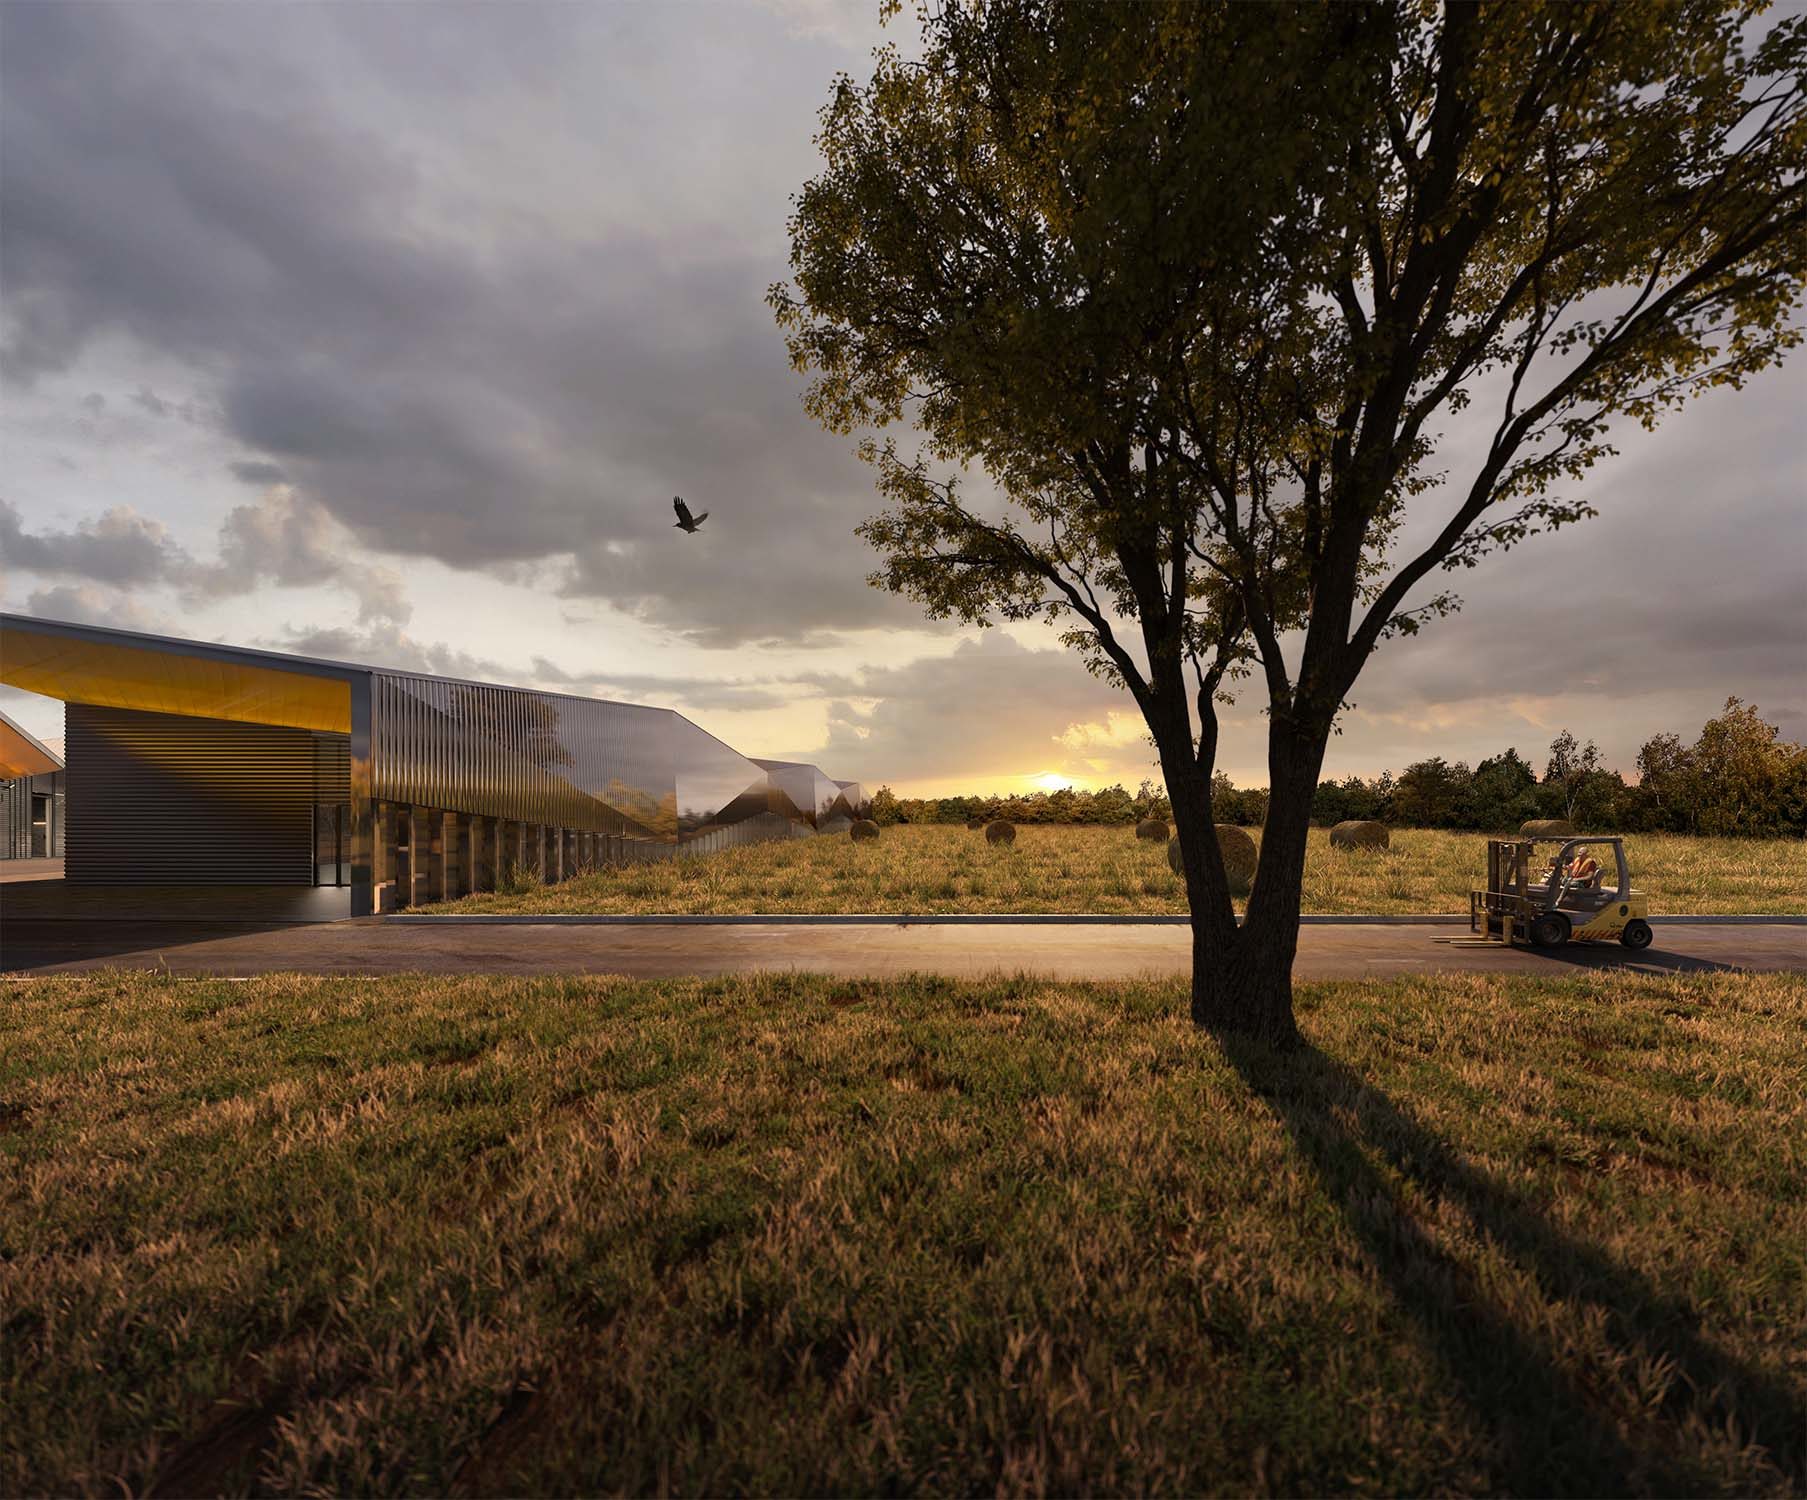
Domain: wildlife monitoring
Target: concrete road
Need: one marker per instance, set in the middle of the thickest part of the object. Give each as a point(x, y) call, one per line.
point(880, 949)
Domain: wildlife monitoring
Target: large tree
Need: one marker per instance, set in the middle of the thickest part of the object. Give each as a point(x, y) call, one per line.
point(1197, 287)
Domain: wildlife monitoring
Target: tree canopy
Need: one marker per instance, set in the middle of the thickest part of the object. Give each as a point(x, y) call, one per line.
point(1202, 288)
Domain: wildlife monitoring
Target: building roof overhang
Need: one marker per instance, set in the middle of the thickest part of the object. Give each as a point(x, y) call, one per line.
point(23, 754)
point(160, 674)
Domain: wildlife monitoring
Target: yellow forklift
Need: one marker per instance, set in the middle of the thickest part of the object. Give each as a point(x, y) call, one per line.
point(1565, 899)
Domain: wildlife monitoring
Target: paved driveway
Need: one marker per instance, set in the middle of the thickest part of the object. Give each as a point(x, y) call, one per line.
point(877, 949)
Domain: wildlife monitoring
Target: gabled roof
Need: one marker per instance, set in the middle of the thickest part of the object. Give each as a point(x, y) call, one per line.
point(23, 753)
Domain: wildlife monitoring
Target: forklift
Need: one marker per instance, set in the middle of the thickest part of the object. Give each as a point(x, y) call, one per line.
point(1566, 900)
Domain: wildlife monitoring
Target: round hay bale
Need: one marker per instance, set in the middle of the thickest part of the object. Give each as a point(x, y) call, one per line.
point(1239, 854)
point(1239, 858)
point(863, 828)
point(1547, 828)
point(975, 823)
point(1360, 835)
point(1000, 832)
point(1152, 828)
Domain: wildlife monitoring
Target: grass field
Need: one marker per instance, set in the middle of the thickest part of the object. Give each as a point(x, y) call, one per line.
point(779, 1234)
point(1065, 869)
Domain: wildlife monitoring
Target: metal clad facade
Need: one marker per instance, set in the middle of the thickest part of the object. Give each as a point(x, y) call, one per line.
point(167, 798)
point(31, 816)
point(617, 769)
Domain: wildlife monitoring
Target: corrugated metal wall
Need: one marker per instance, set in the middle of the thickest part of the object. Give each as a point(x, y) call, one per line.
point(168, 799)
point(18, 837)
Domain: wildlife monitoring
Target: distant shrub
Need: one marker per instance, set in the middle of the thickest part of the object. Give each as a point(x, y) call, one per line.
point(1739, 778)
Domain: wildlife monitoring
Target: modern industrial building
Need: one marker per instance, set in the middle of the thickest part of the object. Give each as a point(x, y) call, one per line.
point(31, 796)
point(191, 764)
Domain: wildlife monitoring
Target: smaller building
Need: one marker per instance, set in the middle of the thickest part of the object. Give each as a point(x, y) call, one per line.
point(32, 795)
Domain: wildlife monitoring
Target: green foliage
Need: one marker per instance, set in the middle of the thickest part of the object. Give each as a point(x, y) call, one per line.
point(1198, 285)
point(886, 810)
point(1108, 806)
point(1739, 778)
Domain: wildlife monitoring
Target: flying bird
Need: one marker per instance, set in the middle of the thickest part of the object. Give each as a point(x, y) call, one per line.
point(687, 522)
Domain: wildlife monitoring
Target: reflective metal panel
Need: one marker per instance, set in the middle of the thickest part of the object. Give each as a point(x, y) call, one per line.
point(852, 802)
point(640, 783)
point(631, 774)
point(805, 791)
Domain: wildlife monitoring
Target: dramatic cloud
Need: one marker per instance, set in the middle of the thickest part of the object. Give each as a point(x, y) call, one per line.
point(450, 377)
point(387, 645)
point(121, 548)
point(292, 541)
point(84, 604)
point(256, 471)
point(466, 294)
point(283, 539)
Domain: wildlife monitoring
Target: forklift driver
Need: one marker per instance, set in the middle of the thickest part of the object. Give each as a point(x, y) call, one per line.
point(1582, 871)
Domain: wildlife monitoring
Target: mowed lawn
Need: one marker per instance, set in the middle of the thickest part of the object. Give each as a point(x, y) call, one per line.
point(1069, 869)
point(781, 1234)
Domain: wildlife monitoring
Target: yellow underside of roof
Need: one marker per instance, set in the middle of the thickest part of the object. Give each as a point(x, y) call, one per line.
point(169, 682)
point(20, 757)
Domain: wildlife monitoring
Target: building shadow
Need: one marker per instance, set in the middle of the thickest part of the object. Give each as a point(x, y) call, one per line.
point(1551, 1433)
point(28, 947)
point(46, 924)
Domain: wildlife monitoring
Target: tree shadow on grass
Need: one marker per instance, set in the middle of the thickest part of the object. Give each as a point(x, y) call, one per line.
point(1561, 1420)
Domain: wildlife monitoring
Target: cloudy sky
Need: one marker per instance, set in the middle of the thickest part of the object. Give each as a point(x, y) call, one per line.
point(388, 332)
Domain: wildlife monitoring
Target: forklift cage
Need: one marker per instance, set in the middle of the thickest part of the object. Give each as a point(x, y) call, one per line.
point(1514, 898)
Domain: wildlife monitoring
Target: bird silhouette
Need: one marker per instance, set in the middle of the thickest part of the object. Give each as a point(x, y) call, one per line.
point(687, 522)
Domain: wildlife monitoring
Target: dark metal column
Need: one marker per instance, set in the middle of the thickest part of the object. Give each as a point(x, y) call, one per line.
point(361, 834)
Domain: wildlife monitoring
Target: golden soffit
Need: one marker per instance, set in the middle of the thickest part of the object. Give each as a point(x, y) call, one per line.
point(21, 754)
point(163, 678)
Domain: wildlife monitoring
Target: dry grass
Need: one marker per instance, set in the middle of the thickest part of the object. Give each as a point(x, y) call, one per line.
point(782, 1235)
point(1063, 869)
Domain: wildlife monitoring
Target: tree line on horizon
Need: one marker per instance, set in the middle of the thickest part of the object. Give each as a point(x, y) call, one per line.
point(1739, 778)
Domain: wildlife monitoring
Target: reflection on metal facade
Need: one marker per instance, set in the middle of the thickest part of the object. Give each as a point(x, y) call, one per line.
point(802, 792)
point(609, 768)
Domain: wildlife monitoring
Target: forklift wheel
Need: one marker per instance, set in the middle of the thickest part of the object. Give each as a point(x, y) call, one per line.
point(1636, 934)
point(1550, 930)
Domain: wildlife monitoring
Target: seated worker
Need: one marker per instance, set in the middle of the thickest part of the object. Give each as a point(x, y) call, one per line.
point(1584, 869)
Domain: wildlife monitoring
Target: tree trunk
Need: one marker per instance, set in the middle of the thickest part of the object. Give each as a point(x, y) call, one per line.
point(1242, 981)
